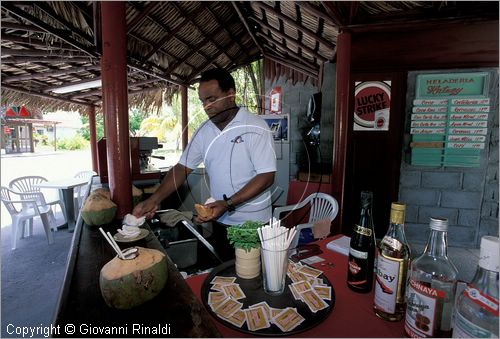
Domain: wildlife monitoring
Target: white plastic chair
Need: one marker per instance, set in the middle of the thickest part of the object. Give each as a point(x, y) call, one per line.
point(322, 207)
point(27, 185)
point(32, 205)
point(80, 190)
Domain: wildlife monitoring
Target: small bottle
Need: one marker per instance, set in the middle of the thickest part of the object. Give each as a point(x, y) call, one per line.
point(392, 265)
point(432, 281)
point(362, 248)
point(476, 310)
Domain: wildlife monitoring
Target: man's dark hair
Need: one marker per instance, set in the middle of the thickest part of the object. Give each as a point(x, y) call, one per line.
point(223, 77)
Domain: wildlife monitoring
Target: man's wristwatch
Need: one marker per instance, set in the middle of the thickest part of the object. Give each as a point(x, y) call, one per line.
point(229, 202)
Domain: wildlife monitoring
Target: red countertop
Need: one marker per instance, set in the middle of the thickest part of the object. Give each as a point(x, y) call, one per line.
point(352, 315)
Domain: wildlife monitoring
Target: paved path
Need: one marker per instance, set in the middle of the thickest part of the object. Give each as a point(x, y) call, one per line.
point(51, 165)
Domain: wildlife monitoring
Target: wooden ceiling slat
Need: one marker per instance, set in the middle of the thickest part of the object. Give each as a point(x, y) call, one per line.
point(292, 23)
point(37, 52)
point(245, 23)
point(293, 65)
point(290, 40)
point(53, 60)
point(28, 17)
point(22, 27)
point(50, 73)
point(142, 15)
point(36, 42)
point(318, 12)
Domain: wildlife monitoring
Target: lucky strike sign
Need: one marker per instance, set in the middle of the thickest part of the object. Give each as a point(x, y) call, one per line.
point(372, 101)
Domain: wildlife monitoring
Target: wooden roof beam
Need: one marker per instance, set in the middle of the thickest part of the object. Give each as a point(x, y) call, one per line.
point(318, 12)
point(21, 27)
point(99, 91)
point(36, 42)
point(57, 60)
point(295, 25)
point(45, 96)
point(231, 35)
point(289, 39)
point(36, 52)
point(69, 26)
point(334, 13)
point(49, 73)
point(298, 56)
point(245, 23)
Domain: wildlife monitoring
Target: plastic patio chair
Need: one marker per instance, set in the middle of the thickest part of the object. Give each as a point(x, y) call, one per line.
point(80, 190)
point(31, 205)
point(26, 185)
point(323, 208)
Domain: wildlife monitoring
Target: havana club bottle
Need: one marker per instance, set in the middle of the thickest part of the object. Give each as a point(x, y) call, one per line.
point(362, 248)
point(393, 258)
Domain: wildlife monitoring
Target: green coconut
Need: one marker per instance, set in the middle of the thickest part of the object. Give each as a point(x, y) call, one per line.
point(102, 191)
point(129, 283)
point(98, 210)
point(136, 195)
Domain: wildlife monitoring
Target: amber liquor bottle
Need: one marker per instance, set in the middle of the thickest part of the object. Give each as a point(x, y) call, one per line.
point(362, 248)
point(432, 282)
point(392, 264)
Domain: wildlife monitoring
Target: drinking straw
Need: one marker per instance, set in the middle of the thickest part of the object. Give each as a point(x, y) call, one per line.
point(112, 242)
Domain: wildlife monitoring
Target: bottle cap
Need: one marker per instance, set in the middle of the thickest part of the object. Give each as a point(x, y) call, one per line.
point(398, 213)
point(439, 224)
point(488, 255)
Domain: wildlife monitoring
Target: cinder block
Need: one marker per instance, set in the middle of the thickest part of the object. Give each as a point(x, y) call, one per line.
point(419, 196)
point(488, 227)
point(473, 181)
point(468, 218)
point(410, 178)
point(411, 214)
point(492, 173)
point(461, 199)
point(448, 180)
point(416, 233)
point(491, 192)
point(425, 213)
point(461, 236)
point(489, 210)
point(494, 136)
point(493, 154)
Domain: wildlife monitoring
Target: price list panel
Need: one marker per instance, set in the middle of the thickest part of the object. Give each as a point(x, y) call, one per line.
point(449, 119)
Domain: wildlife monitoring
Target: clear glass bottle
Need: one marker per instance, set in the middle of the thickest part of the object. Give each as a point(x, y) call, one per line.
point(432, 281)
point(393, 258)
point(362, 249)
point(476, 310)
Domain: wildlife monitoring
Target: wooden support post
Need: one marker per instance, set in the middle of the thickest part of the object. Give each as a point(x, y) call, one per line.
point(115, 103)
point(93, 137)
point(184, 116)
point(341, 119)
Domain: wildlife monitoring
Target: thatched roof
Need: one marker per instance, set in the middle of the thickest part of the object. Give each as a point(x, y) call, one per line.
point(49, 44)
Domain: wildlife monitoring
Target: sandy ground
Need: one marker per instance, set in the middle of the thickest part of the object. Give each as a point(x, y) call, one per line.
point(51, 165)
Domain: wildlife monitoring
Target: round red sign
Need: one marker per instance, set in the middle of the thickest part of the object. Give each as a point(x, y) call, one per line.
point(369, 97)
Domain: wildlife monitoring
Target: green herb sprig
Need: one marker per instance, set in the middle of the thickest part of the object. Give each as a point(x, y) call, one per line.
point(245, 235)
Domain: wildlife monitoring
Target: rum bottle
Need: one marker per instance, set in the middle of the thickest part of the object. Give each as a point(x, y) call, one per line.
point(362, 248)
point(432, 281)
point(476, 310)
point(393, 257)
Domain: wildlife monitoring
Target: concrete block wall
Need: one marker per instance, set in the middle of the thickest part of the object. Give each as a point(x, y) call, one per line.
point(294, 102)
point(468, 197)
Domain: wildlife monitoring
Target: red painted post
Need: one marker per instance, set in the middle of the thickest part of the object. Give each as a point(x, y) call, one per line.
point(93, 137)
point(341, 120)
point(184, 116)
point(115, 103)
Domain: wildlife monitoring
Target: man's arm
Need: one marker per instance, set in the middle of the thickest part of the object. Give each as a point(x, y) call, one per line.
point(254, 187)
point(174, 178)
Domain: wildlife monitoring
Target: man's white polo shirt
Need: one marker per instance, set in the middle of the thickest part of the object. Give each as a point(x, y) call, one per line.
point(232, 157)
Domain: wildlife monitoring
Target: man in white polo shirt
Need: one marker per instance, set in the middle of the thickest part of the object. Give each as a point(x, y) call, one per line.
point(236, 148)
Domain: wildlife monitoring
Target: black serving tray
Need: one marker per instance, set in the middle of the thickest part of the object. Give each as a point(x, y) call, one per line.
point(254, 292)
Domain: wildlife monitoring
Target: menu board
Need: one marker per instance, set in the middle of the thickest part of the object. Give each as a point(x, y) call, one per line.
point(449, 119)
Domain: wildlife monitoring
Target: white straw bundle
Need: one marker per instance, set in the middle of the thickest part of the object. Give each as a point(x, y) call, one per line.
point(112, 242)
point(275, 241)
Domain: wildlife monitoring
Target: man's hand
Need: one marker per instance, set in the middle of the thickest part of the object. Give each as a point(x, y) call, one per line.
point(218, 207)
point(145, 208)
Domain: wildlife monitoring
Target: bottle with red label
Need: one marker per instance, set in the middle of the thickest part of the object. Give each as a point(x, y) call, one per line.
point(432, 282)
point(362, 249)
point(392, 265)
point(476, 310)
